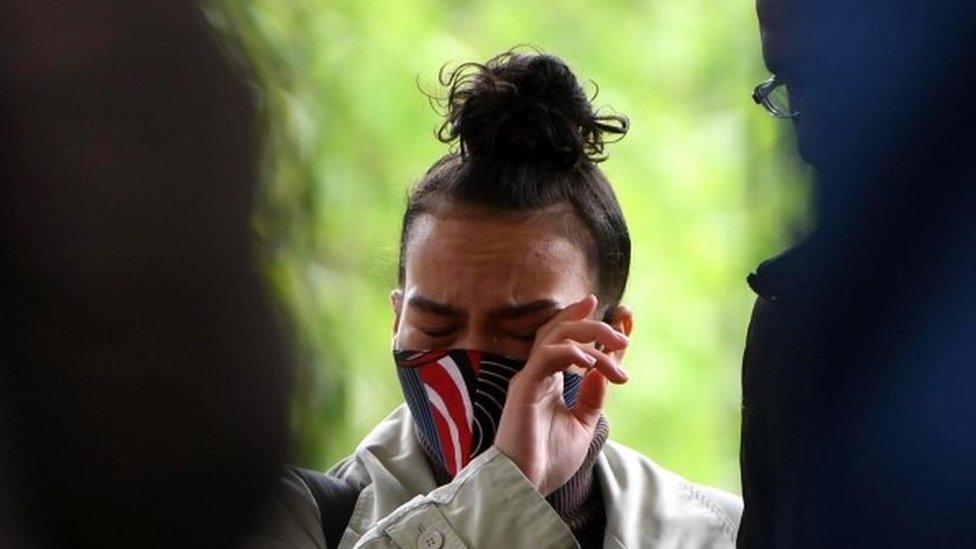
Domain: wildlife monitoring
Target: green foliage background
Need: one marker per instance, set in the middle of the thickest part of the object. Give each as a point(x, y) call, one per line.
point(707, 181)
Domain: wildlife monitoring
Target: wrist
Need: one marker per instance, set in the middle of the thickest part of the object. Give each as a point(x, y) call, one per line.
point(531, 476)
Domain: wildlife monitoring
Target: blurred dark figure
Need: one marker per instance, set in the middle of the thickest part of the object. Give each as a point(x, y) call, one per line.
point(142, 396)
point(859, 418)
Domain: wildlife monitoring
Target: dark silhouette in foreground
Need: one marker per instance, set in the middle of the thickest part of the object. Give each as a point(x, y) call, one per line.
point(143, 388)
point(859, 428)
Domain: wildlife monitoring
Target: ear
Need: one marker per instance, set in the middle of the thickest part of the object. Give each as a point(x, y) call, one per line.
point(396, 301)
point(622, 320)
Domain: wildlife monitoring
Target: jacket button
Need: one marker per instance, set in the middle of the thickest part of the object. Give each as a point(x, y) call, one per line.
point(431, 539)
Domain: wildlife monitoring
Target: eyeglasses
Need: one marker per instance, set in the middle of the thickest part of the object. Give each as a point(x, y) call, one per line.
point(774, 97)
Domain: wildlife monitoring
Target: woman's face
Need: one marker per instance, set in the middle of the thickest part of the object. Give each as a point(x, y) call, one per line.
point(480, 280)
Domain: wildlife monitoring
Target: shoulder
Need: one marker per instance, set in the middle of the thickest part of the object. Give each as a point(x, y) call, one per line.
point(670, 508)
point(290, 517)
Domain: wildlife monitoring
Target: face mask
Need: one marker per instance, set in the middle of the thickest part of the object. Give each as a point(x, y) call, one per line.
point(456, 397)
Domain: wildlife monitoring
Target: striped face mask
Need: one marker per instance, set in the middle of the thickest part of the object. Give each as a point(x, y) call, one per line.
point(456, 398)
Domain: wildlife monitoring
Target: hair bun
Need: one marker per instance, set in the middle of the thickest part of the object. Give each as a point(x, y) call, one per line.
point(526, 107)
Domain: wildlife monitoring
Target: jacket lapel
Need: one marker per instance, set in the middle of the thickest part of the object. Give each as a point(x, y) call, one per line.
point(397, 465)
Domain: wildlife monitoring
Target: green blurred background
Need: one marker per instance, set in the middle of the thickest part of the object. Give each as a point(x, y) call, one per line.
point(708, 182)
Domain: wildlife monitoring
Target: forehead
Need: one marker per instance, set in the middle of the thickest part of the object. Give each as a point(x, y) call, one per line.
point(472, 257)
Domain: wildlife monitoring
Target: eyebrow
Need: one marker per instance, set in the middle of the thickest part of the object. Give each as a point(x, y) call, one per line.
point(503, 313)
point(431, 306)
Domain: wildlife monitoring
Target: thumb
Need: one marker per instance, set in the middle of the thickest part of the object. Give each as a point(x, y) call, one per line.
point(589, 405)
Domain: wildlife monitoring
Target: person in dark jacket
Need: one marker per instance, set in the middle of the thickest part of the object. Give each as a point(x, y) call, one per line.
point(858, 427)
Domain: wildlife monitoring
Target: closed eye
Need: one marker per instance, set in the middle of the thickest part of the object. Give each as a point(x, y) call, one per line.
point(438, 333)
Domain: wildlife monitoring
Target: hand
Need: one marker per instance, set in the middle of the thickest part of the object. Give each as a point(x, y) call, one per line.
point(545, 438)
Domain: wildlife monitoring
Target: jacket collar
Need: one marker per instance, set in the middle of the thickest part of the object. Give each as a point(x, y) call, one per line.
point(392, 452)
point(613, 494)
point(788, 274)
point(645, 504)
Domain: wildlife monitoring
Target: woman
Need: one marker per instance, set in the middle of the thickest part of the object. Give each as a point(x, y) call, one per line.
point(508, 324)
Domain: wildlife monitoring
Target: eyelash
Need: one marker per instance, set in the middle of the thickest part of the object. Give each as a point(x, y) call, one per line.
point(441, 333)
point(445, 333)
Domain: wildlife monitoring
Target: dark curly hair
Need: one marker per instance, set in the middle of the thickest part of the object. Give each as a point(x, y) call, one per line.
point(528, 139)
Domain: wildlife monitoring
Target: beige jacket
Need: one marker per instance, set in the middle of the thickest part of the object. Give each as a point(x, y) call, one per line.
point(491, 504)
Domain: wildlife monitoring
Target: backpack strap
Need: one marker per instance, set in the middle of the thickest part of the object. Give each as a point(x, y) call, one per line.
point(336, 499)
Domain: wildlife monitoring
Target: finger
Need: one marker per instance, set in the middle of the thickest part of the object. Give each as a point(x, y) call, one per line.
point(551, 359)
point(589, 404)
point(589, 331)
point(574, 311)
point(607, 364)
